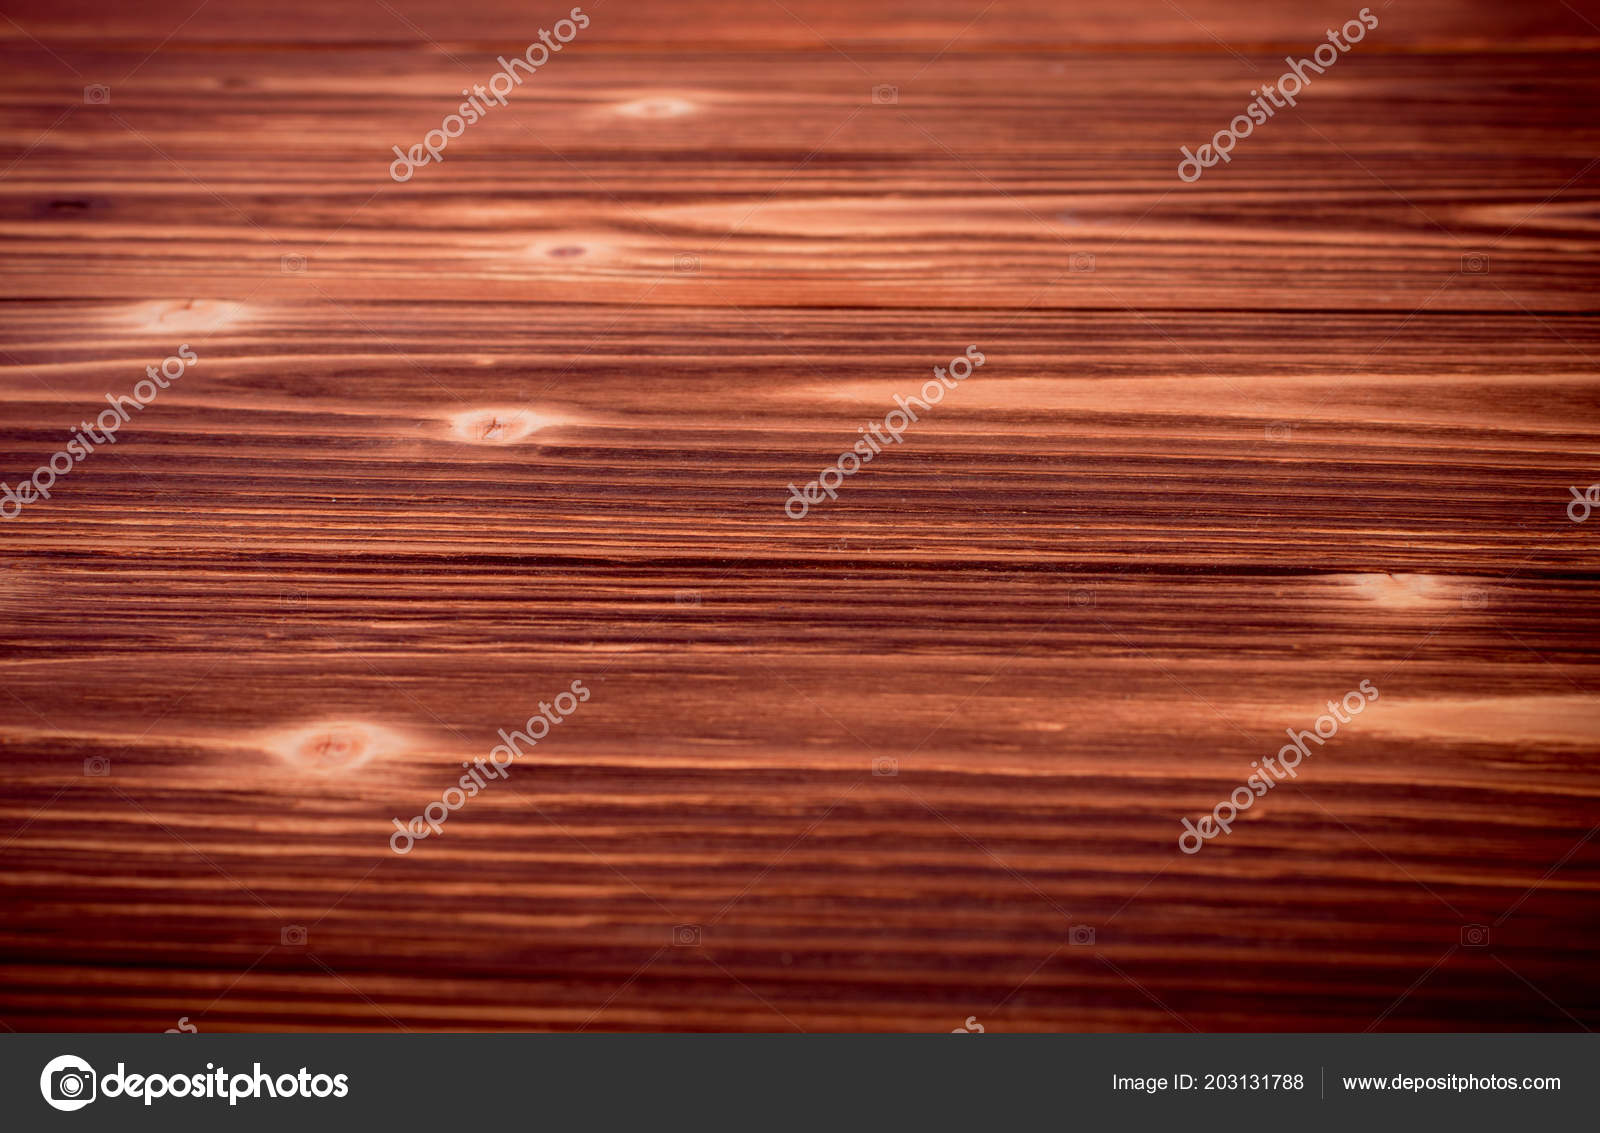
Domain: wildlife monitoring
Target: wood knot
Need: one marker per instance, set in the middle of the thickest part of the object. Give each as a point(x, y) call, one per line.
point(330, 746)
point(184, 316)
point(660, 107)
point(337, 747)
point(498, 426)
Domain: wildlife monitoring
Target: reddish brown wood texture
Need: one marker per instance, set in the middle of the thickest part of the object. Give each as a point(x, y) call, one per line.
point(1280, 439)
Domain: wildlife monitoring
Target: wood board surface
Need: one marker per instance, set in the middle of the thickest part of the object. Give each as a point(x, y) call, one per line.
point(530, 417)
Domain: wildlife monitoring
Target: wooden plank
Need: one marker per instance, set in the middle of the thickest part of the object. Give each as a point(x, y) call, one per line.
point(530, 417)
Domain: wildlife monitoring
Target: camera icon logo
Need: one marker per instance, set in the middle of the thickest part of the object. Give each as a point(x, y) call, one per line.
point(97, 765)
point(1279, 431)
point(67, 1083)
point(293, 263)
point(97, 94)
point(1081, 934)
point(686, 935)
point(885, 768)
point(686, 264)
point(885, 95)
point(1474, 936)
point(687, 597)
point(1475, 263)
point(293, 935)
point(1081, 261)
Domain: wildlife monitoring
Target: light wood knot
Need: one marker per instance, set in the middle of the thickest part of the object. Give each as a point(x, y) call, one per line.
point(333, 745)
point(498, 426)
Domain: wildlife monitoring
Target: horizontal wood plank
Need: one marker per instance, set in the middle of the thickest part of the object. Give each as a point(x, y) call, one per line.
point(532, 416)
